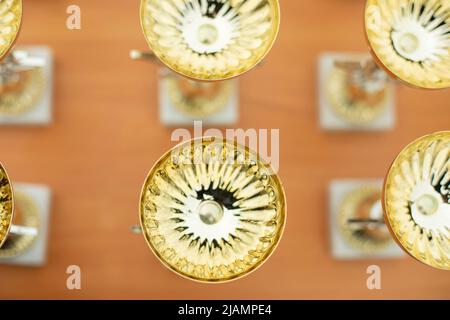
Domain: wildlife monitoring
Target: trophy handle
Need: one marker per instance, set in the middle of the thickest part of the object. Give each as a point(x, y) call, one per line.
point(357, 224)
point(142, 55)
point(23, 231)
point(374, 221)
point(136, 229)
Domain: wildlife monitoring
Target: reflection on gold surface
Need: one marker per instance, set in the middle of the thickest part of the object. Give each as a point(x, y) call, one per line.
point(357, 91)
point(26, 213)
point(212, 211)
point(22, 93)
point(6, 205)
point(417, 199)
point(196, 98)
point(363, 205)
point(411, 39)
point(210, 39)
point(10, 20)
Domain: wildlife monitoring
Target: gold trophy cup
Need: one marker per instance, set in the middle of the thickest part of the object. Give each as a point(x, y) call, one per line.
point(17, 208)
point(355, 89)
point(415, 201)
point(22, 76)
point(211, 210)
point(204, 42)
point(409, 41)
point(359, 216)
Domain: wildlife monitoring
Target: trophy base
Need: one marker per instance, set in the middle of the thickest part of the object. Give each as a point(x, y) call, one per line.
point(221, 109)
point(338, 113)
point(40, 112)
point(343, 245)
point(24, 252)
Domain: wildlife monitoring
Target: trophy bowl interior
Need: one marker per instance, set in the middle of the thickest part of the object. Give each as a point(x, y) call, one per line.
point(10, 22)
point(417, 199)
point(212, 210)
point(411, 40)
point(210, 39)
point(6, 205)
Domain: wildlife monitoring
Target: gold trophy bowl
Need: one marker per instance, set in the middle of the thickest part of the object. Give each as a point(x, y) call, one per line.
point(22, 79)
point(410, 39)
point(359, 220)
point(212, 211)
point(15, 239)
point(10, 22)
point(198, 98)
point(6, 205)
point(357, 90)
point(416, 199)
point(210, 39)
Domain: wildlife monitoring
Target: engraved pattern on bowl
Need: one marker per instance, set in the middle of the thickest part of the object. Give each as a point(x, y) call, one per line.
point(210, 39)
point(6, 205)
point(180, 213)
point(417, 199)
point(411, 39)
point(10, 21)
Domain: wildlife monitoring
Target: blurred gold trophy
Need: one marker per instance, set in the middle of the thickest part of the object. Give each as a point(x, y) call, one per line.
point(359, 219)
point(204, 42)
point(16, 239)
point(22, 78)
point(357, 90)
point(409, 41)
point(212, 210)
point(416, 203)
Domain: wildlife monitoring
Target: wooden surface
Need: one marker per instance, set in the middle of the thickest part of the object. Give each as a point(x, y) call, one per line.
point(106, 136)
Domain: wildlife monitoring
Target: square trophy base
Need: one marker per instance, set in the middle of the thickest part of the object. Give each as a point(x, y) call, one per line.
point(36, 254)
point(40, 110)
point(218, 105)
point(335, 110)
point(343, 246)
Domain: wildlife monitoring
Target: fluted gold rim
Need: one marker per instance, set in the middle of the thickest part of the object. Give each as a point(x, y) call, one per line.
point(183, 266)
point(10, 23)
point(416, 199)
point(222, 63)
point(410, 40)
point(6, 205)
